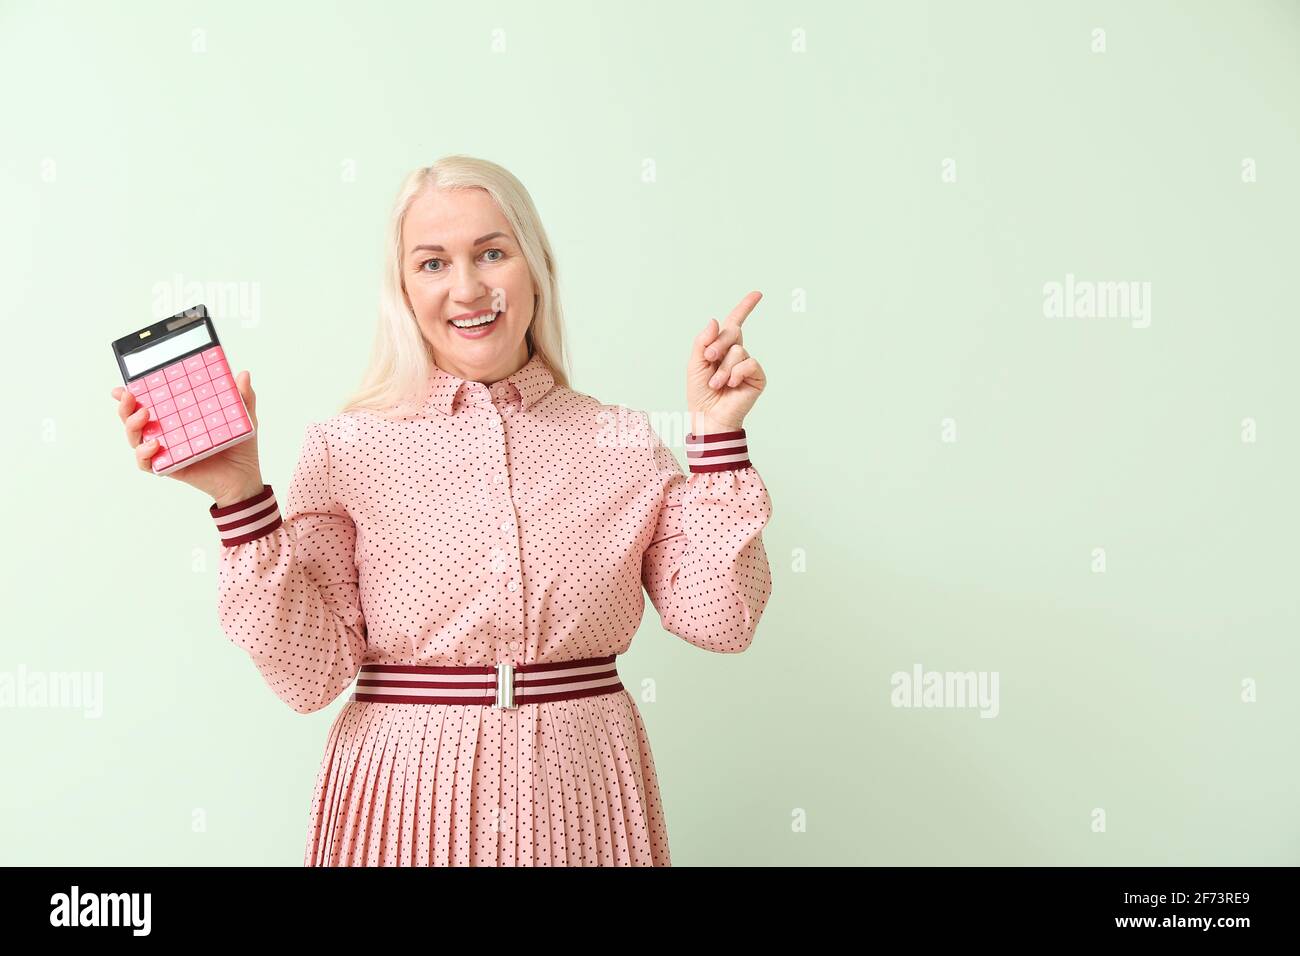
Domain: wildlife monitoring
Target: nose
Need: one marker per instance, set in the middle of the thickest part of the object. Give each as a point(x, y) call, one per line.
point(467, 288)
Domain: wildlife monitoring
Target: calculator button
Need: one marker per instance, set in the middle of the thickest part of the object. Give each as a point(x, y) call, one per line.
point(215, 420)
point(213, 354)
point(156, 380)
point(182, 451)
point(203, 392)
point(239, 426)
point(161, 460)
point(138, 387)
point(151, 430)
point(151, 415)
point(173, 372)
point(222, 382)
point(218, 368)
point(228, 398)
point(194, 363)
point(210, 407)
point(191, 414)
point(159, 395)
point(172, 436)
point(200, 377)
point(166, 408)
point(233, 412)
point(219, 435)
point(195, 428)
point(144, 399)
point(184, 399)
point(170, 423)
point(200, 443)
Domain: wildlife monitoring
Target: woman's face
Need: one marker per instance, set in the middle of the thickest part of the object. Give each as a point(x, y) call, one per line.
point(459, 257)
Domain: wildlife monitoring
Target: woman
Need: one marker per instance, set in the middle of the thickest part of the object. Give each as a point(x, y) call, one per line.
point(469, 539)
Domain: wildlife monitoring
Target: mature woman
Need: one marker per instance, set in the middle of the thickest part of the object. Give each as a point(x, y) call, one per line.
point(468, 540)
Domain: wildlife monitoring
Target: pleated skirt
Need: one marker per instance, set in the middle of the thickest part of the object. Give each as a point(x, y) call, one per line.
point(556, 783)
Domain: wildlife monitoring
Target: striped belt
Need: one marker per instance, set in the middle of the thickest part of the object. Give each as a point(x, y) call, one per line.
point(504, 685)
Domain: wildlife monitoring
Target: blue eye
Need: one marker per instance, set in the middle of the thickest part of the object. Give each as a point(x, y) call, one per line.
point(427, 261)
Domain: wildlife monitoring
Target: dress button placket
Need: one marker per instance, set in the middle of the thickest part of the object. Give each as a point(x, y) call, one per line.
point(514, 646)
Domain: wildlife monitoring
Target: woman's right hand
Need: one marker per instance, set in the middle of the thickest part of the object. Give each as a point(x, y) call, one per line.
point(228, 476)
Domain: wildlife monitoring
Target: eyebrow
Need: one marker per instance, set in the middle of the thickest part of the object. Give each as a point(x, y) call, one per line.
point(478, 242)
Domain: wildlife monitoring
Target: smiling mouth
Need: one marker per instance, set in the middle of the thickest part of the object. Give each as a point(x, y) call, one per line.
point(474, 323)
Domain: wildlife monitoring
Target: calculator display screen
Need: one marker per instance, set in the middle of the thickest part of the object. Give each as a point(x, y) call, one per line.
point(141, 360)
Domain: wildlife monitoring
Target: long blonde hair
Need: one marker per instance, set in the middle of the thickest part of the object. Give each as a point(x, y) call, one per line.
point(401, 360)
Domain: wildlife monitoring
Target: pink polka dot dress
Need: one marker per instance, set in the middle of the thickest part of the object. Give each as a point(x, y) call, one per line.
point(520, 522)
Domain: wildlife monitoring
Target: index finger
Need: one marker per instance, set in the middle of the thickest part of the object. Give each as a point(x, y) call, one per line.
point(736, 317)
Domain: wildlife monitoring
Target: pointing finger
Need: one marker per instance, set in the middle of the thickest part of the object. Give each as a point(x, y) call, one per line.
point(730, 333)
point(741, 312)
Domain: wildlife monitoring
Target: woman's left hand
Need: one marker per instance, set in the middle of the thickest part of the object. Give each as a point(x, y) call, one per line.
point(723, 380)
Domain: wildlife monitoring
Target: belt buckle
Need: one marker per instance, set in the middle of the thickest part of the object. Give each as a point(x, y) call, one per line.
point(505, 686)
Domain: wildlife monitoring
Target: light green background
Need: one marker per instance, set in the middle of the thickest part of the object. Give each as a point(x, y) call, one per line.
point(128, 158)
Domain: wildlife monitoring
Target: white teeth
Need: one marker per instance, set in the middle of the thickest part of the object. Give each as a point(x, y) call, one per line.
point(470, 323)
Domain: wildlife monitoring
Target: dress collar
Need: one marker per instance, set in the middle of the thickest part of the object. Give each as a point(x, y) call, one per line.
point(529, 383)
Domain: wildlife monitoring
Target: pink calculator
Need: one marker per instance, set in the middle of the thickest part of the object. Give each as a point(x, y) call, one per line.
point(177, 369)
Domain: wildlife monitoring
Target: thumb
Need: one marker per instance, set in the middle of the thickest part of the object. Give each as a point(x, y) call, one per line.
point(244, 381)
point(701, 342)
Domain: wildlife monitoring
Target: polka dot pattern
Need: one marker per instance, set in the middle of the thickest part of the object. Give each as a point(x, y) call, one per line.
point(519, 521)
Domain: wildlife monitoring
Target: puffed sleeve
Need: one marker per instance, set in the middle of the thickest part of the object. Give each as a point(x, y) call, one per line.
point(705, 568)
point(287, 591)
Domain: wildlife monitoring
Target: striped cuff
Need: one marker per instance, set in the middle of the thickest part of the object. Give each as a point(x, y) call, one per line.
point(248, 519)
point(721, 451)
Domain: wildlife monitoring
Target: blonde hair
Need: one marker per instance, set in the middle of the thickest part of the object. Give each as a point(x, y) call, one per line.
point(401, 360)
